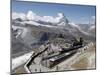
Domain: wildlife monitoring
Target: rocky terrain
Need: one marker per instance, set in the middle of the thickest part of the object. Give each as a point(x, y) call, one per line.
point(30, 31)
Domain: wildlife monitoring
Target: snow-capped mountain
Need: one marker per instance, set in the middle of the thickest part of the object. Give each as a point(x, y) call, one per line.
point(60, 21)
point(46, 24)
point(32, 18)
point(47, 19)
point(21, 16)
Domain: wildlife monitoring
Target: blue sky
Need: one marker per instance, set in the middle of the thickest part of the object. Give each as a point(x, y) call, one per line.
point(75, 13)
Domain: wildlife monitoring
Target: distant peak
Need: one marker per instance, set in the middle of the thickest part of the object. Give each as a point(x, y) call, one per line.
point(60, 14)
point(30, 15)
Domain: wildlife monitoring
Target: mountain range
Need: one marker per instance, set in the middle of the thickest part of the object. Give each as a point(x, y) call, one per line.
point(33, 29)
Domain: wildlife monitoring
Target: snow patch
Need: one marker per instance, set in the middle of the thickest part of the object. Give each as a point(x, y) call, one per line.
point(92, 27)
point(78, 27)
point(18, 15)
point(18, 61)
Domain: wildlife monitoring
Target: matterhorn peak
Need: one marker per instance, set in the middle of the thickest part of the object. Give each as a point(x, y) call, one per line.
point(30, 15)
point(61, 14)
point(62, 19)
